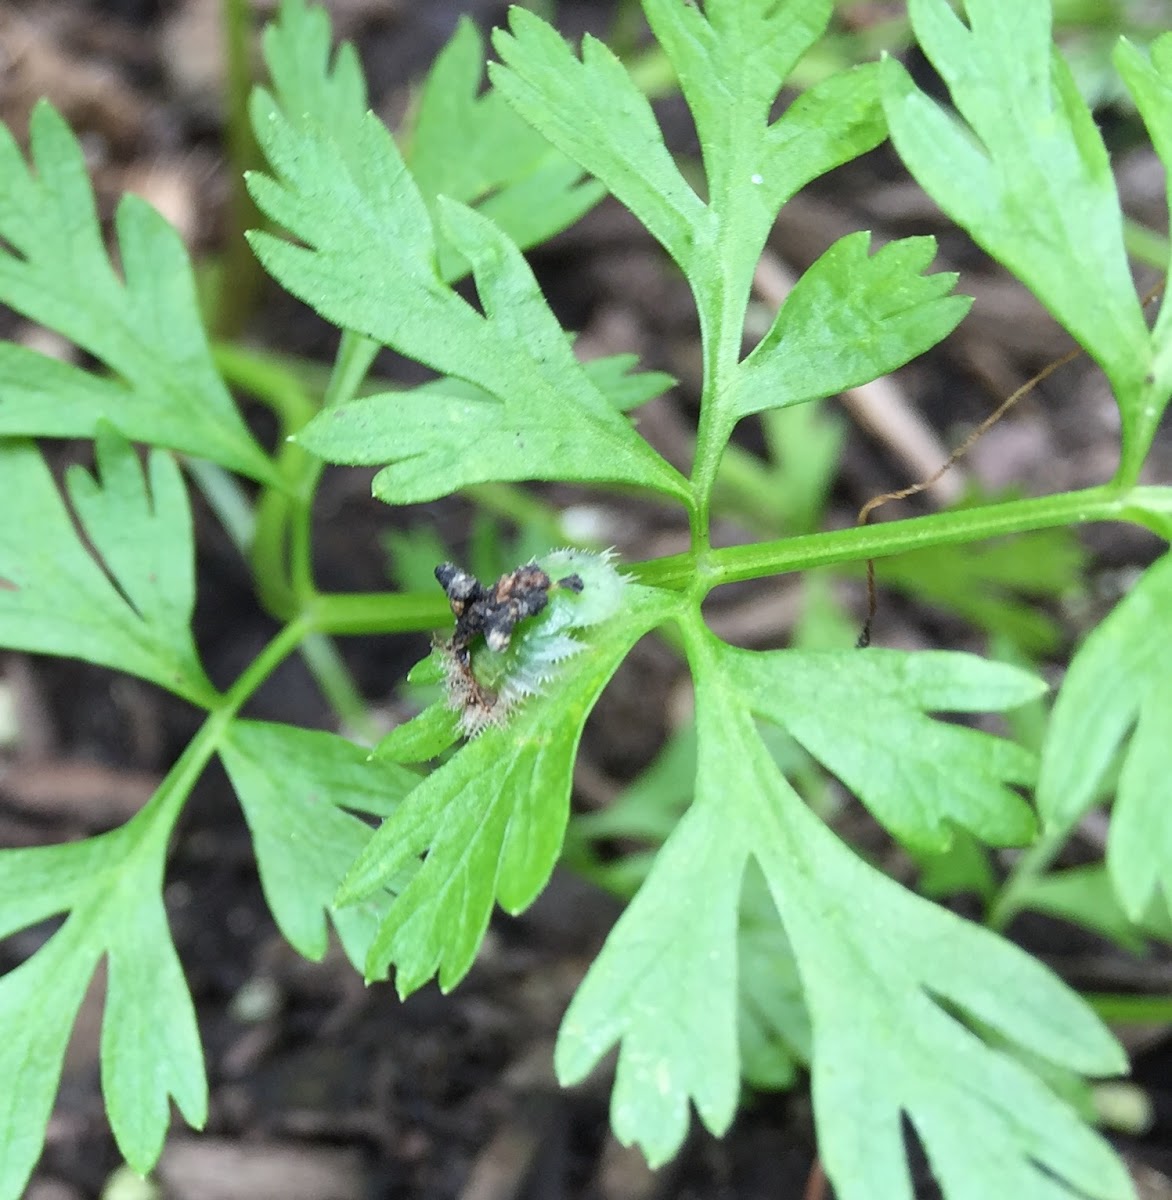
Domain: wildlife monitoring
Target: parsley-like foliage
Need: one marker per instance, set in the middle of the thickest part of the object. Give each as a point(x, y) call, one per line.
point(756, 943)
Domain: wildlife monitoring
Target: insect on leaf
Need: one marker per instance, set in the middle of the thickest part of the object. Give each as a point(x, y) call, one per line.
point(491, 819)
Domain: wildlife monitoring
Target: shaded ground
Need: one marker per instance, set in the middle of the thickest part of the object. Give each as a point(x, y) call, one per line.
point(321, 1089)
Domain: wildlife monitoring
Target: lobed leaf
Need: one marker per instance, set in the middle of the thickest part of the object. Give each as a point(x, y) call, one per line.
point(368, 262)
point(894, 986)
point(592, 111)
point(664, 987)
point(1149, 80)
point(731, 59)
point(1027, 174)
point(150, 1051)
point(300, 789)
point(145, 327)
point(471, 146)
point(315, 88)
point(449, 434)
point(55, 598)
point(773, 1029)
point(863, 716)
point(849, 319)
point(1117, 680)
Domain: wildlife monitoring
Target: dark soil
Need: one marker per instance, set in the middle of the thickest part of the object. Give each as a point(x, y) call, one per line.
point(323, 1089)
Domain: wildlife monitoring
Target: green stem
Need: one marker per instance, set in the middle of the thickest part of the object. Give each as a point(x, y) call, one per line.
point(337, 685)
point(379, 612)
point(282, 550)
point(736, 563)
point(268, 380)
point(1030, 864)
point(1146, 246)
point(1132, 1010)
point(354, 358)
point(226, 498)
point(168, 801)
point(401, 612)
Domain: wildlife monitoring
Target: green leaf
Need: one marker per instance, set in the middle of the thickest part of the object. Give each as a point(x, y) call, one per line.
point(1117, 680)
point(56, 599)
point(963, 867)
point(1150, 84)
point(895, 987)
point(150, 1051)
point(773, 1028)
point(594, 113)
point(773, 1025)
point(314, 89)
point(426, 736)
point(665, 988)
point(368, 263)
point(492, 818)
point(863, 717)
point(731, 60)
point(448, 434)
point(471, 146)
point(1149, 80)
point(145, 327)
point(1084, 896)
point(299, 789)
point(467, 146)
point(1028, 176)
point(849, 319)
point(1139, 846)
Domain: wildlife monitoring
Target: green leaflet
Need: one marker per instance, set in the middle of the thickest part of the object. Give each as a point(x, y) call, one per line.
point(863, 716)
point(150, 1050)
point(885, 975)
point(449, 433)
point(1117, 680)
point(465, 146)
point(594, 113)
point(145, 327)
point(849, 319)
point(1150, 84)
point(475, 149)
point(55, 598)
point(731, 60)
point(369, 264)
point(1028, 176)
point(773, 1028)
point(300, 789)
